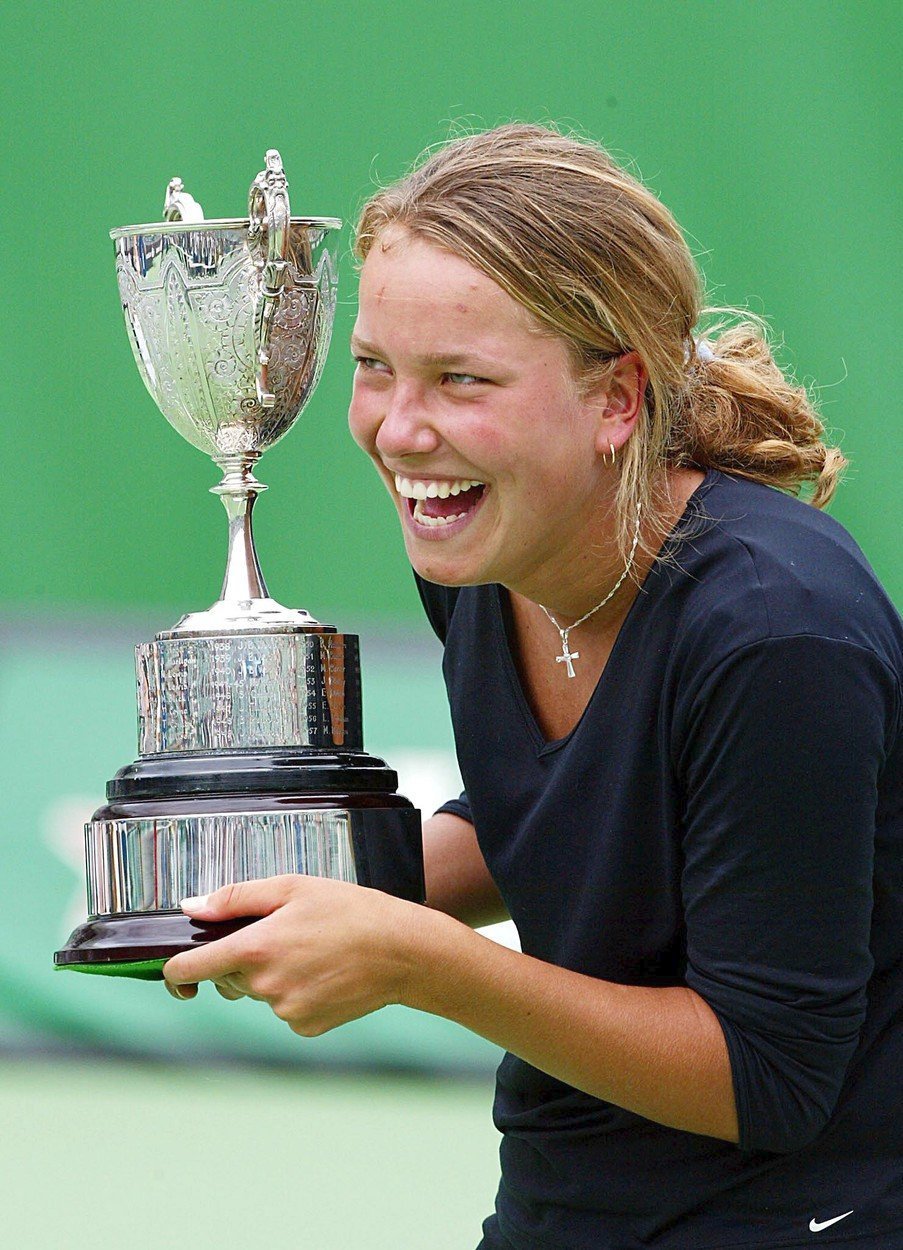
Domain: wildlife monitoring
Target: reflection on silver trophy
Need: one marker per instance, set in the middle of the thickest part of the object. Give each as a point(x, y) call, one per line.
point(251, 756)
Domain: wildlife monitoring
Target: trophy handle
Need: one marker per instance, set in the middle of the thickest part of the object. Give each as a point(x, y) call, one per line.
point(179, 205)
point(268, 208)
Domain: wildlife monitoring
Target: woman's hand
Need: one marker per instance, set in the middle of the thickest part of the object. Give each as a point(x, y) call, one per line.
point(325, 952)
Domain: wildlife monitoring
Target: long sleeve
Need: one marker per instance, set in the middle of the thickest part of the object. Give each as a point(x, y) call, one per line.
point(780, 761)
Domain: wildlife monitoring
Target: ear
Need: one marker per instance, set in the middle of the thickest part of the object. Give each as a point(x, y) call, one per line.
point(619, 401)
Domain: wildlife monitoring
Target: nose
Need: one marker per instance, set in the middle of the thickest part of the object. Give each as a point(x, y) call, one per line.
point(406, 429)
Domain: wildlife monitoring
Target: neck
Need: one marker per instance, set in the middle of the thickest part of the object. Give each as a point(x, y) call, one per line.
point(572, 583)
point(577, 576)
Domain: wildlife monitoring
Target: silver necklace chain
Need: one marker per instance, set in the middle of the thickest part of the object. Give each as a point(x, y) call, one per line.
point(568, 656)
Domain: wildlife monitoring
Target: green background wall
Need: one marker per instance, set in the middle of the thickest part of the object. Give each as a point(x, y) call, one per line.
point(767, 127)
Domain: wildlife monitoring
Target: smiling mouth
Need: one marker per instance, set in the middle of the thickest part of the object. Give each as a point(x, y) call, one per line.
point(438, 504)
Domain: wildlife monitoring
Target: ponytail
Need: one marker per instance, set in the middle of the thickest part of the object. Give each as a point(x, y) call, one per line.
point(740, 414)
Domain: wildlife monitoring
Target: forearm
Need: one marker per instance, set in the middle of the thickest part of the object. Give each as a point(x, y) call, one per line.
point(457, 879)
point(659, 1052)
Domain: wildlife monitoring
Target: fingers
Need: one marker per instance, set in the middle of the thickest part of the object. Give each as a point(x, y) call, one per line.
point(215, 960)
point(243, 898)
point(226, 989)
point(211, 962)
point(182, 992)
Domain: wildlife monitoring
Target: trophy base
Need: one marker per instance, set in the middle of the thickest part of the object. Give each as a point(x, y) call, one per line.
point(138, 944)
point(188, 824)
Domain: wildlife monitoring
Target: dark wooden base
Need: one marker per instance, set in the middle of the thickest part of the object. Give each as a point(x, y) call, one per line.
point(138, 937)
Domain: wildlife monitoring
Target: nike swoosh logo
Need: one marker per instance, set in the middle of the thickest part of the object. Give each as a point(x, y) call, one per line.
point(817, 1227)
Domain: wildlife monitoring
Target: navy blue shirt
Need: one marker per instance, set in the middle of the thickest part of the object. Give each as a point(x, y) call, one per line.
point(726, 815)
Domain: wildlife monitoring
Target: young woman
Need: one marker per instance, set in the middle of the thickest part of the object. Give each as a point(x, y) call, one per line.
point(676, 695)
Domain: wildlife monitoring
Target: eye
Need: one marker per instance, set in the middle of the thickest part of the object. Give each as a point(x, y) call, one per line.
point(464, 379)
point(370, 364)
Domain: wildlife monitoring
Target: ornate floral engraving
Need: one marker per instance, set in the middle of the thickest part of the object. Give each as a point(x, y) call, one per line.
point(189, 300)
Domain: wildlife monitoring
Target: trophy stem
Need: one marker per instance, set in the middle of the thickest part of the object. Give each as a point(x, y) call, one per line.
point(239, 490)
point(244, 605)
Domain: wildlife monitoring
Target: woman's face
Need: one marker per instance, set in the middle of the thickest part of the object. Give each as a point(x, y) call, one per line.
point(455, 385)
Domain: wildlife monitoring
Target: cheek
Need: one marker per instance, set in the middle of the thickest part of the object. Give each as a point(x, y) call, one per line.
point(363, 419)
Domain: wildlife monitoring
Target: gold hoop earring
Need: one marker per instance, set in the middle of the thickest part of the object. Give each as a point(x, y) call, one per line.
point(612, 465)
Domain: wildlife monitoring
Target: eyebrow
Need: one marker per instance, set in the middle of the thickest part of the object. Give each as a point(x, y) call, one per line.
point(435, 360)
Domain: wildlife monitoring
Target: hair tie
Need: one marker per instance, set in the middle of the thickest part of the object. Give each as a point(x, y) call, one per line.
point(704, 351)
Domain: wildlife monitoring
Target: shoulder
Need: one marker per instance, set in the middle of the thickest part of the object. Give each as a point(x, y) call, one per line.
point(757, 565)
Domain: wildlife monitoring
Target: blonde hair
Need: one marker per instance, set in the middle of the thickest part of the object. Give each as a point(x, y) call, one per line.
point(599, 261)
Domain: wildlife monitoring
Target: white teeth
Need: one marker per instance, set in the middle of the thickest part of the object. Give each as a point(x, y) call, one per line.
point(425, 489)
point(431, 522)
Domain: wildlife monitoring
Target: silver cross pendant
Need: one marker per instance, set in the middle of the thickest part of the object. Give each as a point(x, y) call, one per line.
point(568, 656)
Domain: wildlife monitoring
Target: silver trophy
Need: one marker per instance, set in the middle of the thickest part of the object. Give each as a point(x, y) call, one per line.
point(251, 759)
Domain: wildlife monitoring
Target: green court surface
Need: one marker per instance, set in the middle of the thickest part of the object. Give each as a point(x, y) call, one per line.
point(111, 1154)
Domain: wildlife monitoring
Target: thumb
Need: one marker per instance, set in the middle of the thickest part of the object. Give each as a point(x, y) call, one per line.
point(243, 898)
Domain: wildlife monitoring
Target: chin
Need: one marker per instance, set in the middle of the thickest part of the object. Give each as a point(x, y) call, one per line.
point(433, 571)
point(442, 572)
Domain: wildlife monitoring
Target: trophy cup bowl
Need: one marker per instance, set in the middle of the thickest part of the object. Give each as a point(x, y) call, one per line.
point(251, 760)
